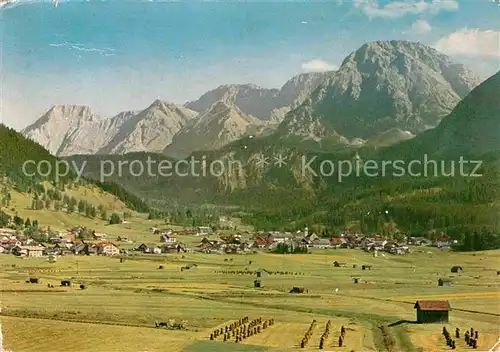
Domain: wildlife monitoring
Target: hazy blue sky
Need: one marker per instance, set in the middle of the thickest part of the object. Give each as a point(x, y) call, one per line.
point(121, 55)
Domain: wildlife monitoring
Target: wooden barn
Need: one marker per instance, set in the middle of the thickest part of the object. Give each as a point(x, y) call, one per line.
point(444, 282)
point(457, 269)
point(432, 311)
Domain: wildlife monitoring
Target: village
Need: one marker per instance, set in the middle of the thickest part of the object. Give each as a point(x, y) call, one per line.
point(202, 239)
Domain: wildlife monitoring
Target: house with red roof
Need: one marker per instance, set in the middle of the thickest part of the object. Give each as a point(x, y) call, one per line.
point(432, 311)
point(107, 248)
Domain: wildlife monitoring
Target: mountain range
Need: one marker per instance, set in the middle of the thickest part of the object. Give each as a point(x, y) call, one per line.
point(66, 130)
point(471, 129)
point(383, 93)
point(219, 117)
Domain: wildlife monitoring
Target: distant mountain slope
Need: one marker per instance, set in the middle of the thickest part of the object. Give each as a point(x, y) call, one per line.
point(474, 125)
point(302, 124)
point(389, 137)
point(265, 104)
point(15, 150)
point(150, 130)
point(472, 128)
point(220, 125)
point(67, 129)
point(384, 85)
point(53, 129)
point(249, 98)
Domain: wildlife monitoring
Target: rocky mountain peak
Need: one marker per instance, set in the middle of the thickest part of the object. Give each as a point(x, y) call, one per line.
point(162, 106)
point(222, 123)
point(264, 103)
point(389, 84)
point(72, 112)
point(244, 86)
point(73, 129)
point(156, 104)
point(51, 129)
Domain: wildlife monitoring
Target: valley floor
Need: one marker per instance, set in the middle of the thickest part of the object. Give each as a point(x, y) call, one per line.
point(121, 302)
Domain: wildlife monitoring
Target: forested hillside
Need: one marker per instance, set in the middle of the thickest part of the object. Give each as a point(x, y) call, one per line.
point(15, 150)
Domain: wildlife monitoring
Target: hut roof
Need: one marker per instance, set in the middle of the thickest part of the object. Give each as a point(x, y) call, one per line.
point(433, 305)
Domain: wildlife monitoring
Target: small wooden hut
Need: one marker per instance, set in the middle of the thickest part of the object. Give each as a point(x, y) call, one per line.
point(444, 282)
point(432, 311)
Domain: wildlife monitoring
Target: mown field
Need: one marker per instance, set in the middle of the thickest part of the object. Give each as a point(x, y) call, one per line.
point(118, 309)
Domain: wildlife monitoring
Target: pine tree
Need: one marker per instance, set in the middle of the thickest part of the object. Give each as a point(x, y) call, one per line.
point(18, 221)
point(81, 206)
point(93, 212)
point(4, 219)
point(115, 219)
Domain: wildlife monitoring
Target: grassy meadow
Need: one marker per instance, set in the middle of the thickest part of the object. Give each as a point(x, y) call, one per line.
point(122, 301)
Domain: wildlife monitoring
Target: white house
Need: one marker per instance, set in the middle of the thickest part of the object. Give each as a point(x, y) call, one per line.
point(168, 238)
point(280, 237)
point(107, 249)
point(203, 231)
point(28, 251)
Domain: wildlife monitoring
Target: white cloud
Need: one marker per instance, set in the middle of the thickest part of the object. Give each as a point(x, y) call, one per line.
point(318, 66)
point(402, 8)
point(420, 27)
point(471, 42)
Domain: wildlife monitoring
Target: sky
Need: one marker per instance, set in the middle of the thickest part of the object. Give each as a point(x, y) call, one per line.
point(116, 55)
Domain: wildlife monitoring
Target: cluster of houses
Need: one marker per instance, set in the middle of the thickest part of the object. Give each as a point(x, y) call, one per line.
point(168, 241)
point(194, 231)
point(60, 243)
point(68, 243)
point(270, 240)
